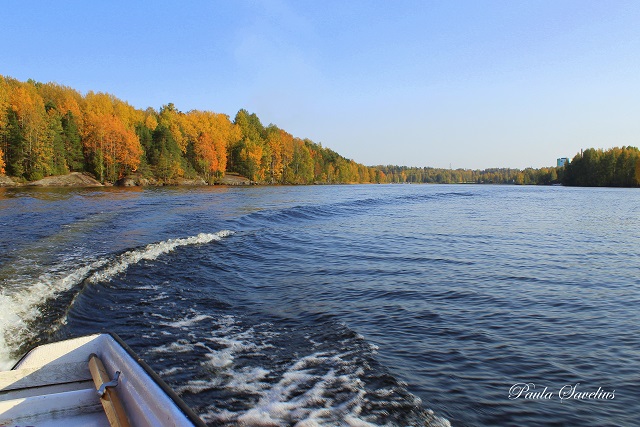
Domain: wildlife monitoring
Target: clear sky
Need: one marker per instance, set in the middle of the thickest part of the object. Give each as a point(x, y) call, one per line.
point(471, 84)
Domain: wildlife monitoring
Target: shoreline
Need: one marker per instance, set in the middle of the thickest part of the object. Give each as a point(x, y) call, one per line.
point(86, 180)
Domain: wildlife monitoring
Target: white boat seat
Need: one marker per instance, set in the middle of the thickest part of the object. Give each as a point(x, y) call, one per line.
point(69, 408)
point(63, 373)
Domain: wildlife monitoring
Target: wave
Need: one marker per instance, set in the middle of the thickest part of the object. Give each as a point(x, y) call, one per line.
point(22, 304)
point(348, 207)
point(152, 252)
point(19, 310)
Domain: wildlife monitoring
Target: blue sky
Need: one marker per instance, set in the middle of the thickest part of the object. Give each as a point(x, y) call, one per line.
point(472, 84)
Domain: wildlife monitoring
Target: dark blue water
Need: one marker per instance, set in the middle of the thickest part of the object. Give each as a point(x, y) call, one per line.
point(344, 305)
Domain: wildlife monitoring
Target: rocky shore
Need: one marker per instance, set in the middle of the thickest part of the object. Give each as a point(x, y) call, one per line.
point(74, 179)
point(80, 179)
point(5, 181)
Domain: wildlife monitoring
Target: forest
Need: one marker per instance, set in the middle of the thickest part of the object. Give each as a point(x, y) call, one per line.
point(615, 167)
point(49, 129)
point(529, 176)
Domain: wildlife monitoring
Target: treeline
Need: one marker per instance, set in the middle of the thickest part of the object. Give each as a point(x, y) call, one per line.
point(616, 167)
point(48, 129)
point(529, 176)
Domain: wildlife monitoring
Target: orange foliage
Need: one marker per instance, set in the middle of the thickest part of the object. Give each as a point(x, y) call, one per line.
point(211, 134)
point(4, 104)
point(104, 136)
point(64, 99)
point(116, 146)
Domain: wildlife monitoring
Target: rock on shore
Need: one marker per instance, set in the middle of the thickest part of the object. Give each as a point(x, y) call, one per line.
point(5, 181)
point(74, 179)
point(135, 180)
point(231, 178)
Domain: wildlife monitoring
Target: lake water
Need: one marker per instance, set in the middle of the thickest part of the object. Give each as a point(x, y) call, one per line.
point(343, 305)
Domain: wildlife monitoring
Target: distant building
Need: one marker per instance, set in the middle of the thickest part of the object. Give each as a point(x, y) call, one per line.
point(562, 161)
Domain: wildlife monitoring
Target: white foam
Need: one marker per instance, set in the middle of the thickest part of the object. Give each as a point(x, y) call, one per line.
point(188, 321)
point(320, 389)
point(198, 386)
point(170, 371)
point(182, 346)
point(19, 308)
point(152, 252)
point(248, 380)
point(233, 341)
point(230, 342)
point(357, 422)
point(305, 393)
point(219, 359)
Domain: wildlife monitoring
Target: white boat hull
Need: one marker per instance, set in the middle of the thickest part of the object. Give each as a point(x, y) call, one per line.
point(52, 386)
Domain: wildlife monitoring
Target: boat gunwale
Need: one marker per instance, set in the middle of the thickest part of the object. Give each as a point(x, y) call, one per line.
point(186, 410)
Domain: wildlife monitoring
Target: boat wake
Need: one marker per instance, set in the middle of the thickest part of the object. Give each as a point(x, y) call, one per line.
point(23, 299)
point(151, 252)
point(233, 373)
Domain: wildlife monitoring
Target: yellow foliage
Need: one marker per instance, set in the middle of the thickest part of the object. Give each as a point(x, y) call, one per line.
point(102, 137)
point(107, 135)
point(150, 122)
point(65, 99)
point(173, 120)
point(25, 102)
point(4, 102)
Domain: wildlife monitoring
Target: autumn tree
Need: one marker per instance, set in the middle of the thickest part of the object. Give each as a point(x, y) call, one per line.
point(29, 132)
point(114, 149)
point(248, 154)
point(47, 128)
point(171, 119)
point(279, 142)
point(300, 169)
point(64, 119)
point(209, 134)
point(4, 106)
